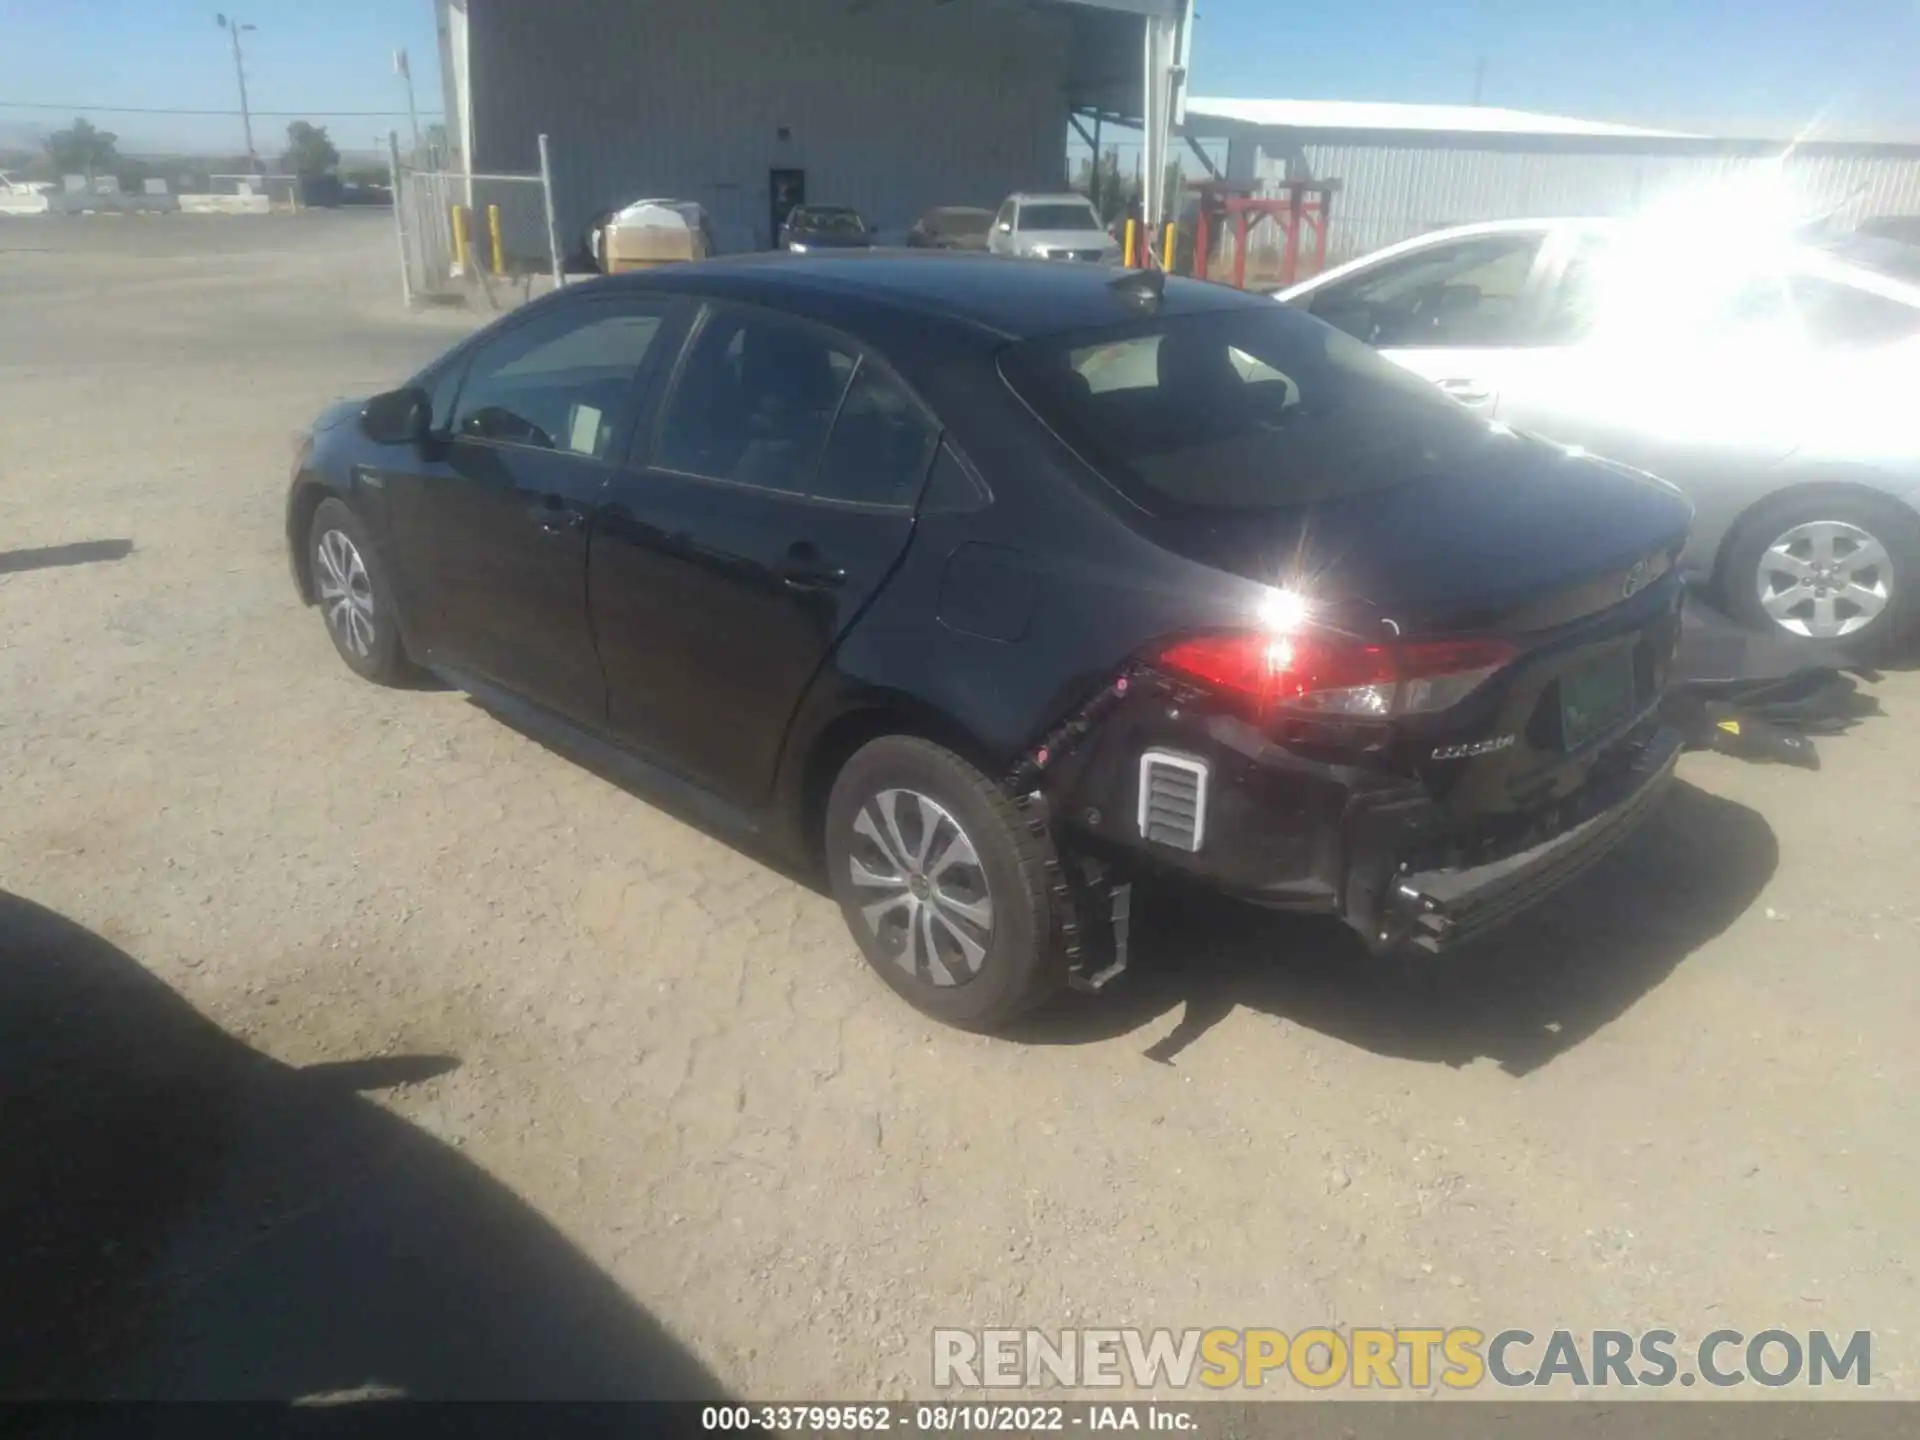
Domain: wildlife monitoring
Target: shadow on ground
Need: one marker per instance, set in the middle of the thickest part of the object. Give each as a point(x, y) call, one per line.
point(185, 1218)
point(1522, 996)
point(52, 557)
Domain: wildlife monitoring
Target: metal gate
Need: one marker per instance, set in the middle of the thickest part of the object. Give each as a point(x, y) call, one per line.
point(464, 236)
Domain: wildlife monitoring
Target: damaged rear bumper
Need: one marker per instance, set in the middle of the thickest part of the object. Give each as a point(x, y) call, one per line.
point(1270, 825)
point(1433, 907)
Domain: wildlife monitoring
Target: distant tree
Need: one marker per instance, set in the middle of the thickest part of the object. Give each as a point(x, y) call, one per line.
point(1120, 194)
point(81, 149)
point(1114, 189)
point(309, 151)
point(133, 174)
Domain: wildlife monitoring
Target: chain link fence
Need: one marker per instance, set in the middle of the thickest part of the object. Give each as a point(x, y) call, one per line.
point(470, 238)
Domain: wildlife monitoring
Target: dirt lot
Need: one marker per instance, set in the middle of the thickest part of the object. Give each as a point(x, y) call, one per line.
point(550, 1092)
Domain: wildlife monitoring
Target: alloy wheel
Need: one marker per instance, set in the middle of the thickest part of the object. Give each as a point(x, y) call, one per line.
point(1824, 579)
point(931, 906)
point(346, 592)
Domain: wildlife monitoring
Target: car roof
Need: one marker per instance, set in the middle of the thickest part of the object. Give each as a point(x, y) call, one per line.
point(1013, 299)
point(1830, 259)
point(1061, 197)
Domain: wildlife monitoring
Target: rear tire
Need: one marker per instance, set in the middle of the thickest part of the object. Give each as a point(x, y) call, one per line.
point(1809, 570)
point(354, 598)
point(943, 884)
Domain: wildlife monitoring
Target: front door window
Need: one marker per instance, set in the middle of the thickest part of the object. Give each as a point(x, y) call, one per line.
point(1464, 293)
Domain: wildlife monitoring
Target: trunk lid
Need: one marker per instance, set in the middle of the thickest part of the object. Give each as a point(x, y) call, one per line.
point(1570, 559)
point(1519, 536)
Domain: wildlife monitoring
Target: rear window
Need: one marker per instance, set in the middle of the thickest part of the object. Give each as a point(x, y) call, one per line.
point(1058, 217)
point(1239, 410)
point(962, 222)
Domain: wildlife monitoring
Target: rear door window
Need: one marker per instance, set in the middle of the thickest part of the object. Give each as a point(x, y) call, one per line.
point(1826, 312)
point(881, 446)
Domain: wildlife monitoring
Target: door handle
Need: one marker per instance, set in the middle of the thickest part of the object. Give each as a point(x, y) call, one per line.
point(811, 577)
point(557, 517)
point(1467, 392)
point(806, 569)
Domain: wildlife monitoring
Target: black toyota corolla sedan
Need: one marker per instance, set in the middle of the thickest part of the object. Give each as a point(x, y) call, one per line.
point(988, 585)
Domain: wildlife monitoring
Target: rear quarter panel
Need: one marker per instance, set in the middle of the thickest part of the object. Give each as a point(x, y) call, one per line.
point(1005, 616)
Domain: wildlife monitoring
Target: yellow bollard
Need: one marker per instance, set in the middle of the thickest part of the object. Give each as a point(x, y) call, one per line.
point(460, 238)
point(493, 232)
point(1166, 264)
point(1132, 234)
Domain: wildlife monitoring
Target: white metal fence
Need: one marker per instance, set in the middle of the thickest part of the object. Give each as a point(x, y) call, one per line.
point(463, 234)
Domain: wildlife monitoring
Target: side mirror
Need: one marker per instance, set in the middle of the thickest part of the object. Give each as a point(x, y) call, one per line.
point(1005, 227)
point(399, 417)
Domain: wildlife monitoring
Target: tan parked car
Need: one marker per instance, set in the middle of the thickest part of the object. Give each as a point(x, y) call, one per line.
point(649, 233)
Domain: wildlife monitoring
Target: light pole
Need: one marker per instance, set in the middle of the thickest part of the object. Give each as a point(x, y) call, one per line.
point(405, 71)
point(233, 27)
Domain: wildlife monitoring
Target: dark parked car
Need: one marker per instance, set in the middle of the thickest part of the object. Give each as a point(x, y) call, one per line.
point(987, 583)
point(825, 227)
point(954, 227)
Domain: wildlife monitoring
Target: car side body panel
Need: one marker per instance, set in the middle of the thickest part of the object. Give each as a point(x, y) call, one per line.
point(1020, 610)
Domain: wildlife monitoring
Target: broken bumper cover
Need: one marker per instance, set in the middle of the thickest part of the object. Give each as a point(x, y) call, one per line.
point(1432, 909)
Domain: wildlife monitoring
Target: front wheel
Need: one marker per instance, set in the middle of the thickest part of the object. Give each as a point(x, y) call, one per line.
point(354, 598)
point(943, 884)
point(1830, 573)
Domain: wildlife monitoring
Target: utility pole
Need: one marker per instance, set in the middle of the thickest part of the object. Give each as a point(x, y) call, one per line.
point(405, 72)
point(233, 27)
point(1479, 77)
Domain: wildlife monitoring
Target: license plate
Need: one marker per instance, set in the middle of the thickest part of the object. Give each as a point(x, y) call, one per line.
point(1596, 695)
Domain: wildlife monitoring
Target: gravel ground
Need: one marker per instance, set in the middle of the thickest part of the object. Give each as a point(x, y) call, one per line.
point(321, 1003)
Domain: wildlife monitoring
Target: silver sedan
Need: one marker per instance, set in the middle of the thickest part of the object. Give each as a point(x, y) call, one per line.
point(1772, 380)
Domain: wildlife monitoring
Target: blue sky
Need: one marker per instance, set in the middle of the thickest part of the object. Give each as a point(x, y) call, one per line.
point(306, 56)
point(1706, 64)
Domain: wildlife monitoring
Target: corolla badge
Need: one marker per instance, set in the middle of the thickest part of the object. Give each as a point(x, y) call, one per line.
point(1636, 580)
point(1478, 747)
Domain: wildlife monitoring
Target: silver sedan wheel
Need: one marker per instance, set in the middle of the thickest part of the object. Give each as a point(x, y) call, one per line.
point(346, 592)
point(930, 904)
point(1825, 579)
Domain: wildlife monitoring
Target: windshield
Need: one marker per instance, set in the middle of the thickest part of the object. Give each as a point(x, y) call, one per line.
point(1058, 217)
point(832, 222)
point(1240, 409)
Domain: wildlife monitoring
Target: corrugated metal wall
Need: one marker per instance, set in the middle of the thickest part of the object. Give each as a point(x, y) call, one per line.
point(890, 108)
point(1389, 193)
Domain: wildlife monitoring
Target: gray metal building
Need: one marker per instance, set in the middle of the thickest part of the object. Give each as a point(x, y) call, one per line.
point(892, 106)
point(1404, 169)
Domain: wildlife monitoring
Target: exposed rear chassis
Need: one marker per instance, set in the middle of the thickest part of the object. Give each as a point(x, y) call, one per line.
point(1431, 909)
point(1394, 876)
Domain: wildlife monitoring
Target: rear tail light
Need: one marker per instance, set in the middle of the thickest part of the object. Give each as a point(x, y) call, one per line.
point(1328, 675)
